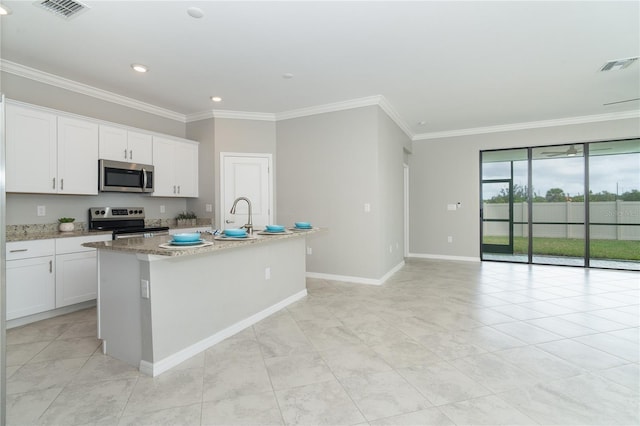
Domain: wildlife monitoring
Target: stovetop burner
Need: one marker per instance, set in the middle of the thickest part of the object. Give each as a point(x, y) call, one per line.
point(122, 221)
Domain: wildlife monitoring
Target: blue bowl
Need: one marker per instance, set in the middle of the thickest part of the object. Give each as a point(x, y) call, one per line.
point(235, 232)
point(275, 228)
point(303, 225)
point(187, 237)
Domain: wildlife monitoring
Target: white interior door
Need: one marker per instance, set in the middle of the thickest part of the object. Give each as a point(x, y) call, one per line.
point(246, 175)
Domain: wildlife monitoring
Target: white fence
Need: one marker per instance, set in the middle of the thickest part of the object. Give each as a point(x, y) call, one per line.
point(613, 214)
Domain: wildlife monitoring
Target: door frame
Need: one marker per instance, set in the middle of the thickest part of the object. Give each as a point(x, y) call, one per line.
point(223, 155)
point(497, 248)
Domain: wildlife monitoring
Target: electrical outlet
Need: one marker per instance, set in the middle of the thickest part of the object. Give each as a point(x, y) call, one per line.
point(449, 239)
point(309, 250)
point(144, 289)
point(267, 273)
point(162, 209)
point(42, 211)
point(208, 207)
point(367, 207)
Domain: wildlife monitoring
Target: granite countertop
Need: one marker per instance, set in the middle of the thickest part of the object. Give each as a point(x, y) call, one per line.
point(47, 231)
point(45, 234)
point(152, 245)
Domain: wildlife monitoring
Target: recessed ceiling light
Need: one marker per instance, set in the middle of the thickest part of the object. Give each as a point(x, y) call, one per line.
point(195, 12)
point(4, 10)
point(216, 99)
point(139, 68)
point(287, 75)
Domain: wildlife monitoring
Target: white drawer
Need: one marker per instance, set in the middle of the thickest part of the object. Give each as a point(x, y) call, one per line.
point(74, 244)
point(27, 249)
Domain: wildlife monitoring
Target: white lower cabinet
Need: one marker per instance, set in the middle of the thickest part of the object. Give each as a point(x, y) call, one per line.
point(30, 278)
point(47, 274)
point(76, 278)
point(76, 270)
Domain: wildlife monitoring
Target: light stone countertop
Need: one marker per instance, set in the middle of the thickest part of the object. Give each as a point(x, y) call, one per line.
point(49, 230)
point(152, 245)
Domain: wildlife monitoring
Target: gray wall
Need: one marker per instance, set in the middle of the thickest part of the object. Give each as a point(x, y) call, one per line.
point(33, 92)
point(392, 144)
point(329, 166)
point(203, 131)
point(246, 136)
point(445, 171)
point(21, 208)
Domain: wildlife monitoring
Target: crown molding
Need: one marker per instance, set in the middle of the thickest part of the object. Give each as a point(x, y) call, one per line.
point(393, 115)
point(332, 107)
point(74, 86)
point(242, 115)
point(530, 125)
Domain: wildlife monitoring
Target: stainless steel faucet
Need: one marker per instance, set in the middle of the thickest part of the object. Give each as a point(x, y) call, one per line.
point(249, 225)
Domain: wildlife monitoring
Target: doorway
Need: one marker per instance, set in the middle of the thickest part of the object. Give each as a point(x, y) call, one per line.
point(497, 222)
point(246, 175)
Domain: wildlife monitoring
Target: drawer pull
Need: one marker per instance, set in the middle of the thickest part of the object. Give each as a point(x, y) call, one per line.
point(50, 266)
point(17, 250)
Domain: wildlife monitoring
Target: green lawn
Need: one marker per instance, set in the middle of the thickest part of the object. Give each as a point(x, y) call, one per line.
point(600, 249)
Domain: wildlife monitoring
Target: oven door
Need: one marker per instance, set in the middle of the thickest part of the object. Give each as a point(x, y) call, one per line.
point(118, 176)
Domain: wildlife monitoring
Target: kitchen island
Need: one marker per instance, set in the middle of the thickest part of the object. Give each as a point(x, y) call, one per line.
point(159, 306)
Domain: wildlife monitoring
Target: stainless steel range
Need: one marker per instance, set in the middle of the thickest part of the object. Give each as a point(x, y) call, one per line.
point(125, 222)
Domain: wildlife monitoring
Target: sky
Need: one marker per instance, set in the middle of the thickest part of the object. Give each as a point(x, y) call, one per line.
point(610, 173)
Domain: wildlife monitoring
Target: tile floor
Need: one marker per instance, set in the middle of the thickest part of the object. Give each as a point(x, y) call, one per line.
point(442, 343)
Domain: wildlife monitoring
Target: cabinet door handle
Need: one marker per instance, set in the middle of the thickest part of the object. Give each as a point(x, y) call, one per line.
point(174, 189)
point(53, 183)
point(17, 250)
point(50, 266)
point(125, 154)
point(130, 154)
point(61, 184)
point(178, 189)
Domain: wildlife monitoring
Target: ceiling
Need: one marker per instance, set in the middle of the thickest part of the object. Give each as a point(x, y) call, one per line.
point(439, 66)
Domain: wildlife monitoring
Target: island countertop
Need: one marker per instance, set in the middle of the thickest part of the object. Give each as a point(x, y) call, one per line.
point(152, 246)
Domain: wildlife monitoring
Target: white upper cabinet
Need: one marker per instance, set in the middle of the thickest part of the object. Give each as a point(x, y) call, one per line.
point(77, 156)
point(175, 168)
point(47, 153)
point(123, 145)
point(31, 143)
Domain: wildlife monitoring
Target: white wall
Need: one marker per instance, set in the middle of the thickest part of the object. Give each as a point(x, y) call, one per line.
point(444, 171)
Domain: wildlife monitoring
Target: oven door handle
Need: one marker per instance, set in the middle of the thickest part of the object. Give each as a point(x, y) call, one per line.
point(144, 180)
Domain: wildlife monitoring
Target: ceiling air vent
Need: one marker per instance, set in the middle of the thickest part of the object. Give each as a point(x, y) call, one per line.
point(64, 8)
point(618, 64)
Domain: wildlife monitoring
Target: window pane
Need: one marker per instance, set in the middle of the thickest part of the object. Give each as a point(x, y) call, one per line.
point(614, 204)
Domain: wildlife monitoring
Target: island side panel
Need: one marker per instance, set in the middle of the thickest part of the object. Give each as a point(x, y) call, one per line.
point(195, 297)
point(119, 305)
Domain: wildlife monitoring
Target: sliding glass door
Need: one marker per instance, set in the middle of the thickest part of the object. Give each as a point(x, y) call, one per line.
point(575, 204)
point(558, 219)
point(504, 205)
point(614, 204)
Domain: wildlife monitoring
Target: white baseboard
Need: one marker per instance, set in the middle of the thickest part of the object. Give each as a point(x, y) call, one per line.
point(156, 368)
point(357, 280)
point(444, 257)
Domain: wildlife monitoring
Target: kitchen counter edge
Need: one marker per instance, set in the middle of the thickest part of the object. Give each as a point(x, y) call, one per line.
point(151, 246)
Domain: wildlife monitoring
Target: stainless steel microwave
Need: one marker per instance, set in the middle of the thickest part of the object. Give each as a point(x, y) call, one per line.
point(118, 176)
